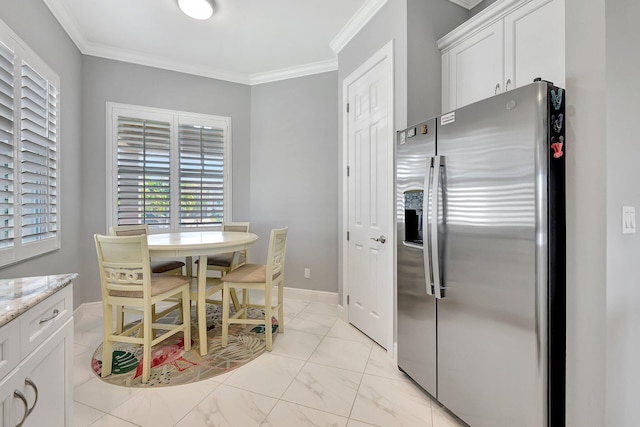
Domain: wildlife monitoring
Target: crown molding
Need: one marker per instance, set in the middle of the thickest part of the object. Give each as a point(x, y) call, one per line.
point(491, 14)
point(467, 4)
point(292, 72)
point(356, 23)
point(134, 57)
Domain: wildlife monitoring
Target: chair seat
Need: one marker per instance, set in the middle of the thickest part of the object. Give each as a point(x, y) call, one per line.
point(248, 273)
point(164, 266)
point(220, 260)
point(159, 285)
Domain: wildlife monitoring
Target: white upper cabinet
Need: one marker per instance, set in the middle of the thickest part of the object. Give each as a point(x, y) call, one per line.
point(505, 46)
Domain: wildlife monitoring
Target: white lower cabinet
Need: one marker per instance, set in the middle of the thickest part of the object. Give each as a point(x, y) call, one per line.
point(507, 45)
point(39, 391)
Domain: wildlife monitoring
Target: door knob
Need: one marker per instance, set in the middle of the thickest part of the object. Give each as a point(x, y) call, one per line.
point(380, 239)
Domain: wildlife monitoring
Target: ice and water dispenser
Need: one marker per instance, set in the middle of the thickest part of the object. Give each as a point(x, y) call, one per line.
point(413, 216)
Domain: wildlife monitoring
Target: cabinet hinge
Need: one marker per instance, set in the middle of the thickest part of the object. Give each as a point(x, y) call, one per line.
point(348, 170)
point(347, 107)
point(347, 299)
point(347, 235)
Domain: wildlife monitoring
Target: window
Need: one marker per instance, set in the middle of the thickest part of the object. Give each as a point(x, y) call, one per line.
point(29, 147)
point(167, 169)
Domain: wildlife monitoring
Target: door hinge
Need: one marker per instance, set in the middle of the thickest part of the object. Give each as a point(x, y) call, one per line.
point(348, 170)
point(347, 235)
point(347, 107)
point(347, 299)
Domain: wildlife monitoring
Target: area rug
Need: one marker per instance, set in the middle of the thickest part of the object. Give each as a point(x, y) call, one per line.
point(172, 365)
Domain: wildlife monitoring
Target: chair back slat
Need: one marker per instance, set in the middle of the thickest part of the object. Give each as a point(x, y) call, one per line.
point(129, 230)
point(276, 254)
point(242, 227)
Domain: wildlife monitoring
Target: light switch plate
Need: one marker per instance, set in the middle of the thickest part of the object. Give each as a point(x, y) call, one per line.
point(628, 220)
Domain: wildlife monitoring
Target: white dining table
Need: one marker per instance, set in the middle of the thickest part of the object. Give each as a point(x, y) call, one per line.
point(199, 244)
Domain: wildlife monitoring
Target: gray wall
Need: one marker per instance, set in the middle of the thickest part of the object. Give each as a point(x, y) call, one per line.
point(36, 26)
point(586, 212)
point(106, 80)
point(623, 189)
point(427, 21)
point(294, 168)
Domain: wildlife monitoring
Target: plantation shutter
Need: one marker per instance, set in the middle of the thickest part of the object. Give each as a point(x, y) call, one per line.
point(144, 179)
point(29, 149)
point(201, 175)
point(7, 154)
point(38, 172)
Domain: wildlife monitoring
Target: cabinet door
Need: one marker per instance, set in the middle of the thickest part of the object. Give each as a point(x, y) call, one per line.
point(11, 407)
point(535, 43)
point(47, 370)
point(475, 67)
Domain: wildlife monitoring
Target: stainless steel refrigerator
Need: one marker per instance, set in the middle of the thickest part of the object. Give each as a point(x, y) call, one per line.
point(481, 258)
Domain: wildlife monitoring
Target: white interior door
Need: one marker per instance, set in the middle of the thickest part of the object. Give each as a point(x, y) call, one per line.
point(370, 139)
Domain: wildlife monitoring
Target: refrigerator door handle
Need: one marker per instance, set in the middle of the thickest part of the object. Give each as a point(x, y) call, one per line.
point(438, 162)
point(426, 254)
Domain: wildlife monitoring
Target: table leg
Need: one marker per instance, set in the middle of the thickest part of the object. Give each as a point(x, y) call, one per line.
point(234, 297)
point(202, 304)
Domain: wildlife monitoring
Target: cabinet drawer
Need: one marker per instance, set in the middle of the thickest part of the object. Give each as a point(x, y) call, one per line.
point(9, 347)
point(41, 321)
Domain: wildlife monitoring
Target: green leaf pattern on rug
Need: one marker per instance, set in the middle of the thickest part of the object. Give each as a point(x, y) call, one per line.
point(260, 329)
point(123, 362)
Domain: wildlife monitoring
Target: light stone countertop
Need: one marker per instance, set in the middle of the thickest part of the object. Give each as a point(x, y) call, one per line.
point(20, 294)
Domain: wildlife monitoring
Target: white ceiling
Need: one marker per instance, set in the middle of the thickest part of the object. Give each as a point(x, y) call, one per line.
point(246, 41)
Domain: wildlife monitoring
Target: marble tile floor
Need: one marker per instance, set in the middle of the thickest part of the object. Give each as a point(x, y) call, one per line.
point(322, 372)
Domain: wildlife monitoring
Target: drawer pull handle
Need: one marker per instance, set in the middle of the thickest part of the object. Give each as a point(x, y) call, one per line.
point(20, 396)
point(28, 381)
point(55, 314)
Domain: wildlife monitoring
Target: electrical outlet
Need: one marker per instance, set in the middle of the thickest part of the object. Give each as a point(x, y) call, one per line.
point(307, 273)
point(628, 220)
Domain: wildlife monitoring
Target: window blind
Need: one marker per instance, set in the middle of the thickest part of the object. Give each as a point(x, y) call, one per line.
point(172, 168)
point(201, 175)
point(38, 169)
point(7, 155)
point(144, 172)
point(29, 149)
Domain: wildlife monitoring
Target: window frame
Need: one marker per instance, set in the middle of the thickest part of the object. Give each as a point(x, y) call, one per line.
point(24, 55)
point(175, 118)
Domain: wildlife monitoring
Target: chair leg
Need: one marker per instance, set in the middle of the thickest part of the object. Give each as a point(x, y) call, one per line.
point(107, 343)
point(119, 319)
point(234, 299)
point(268, 331)
point(185, 309)
point(146, 345)
point(281, 309)
point(225, 313)
point(245, 306)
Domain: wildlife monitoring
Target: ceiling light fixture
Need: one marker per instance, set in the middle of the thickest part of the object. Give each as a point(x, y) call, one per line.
point(197, 9)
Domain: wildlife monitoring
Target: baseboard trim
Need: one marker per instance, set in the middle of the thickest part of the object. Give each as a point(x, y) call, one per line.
point(88, 309)
point(311, 295)
point(343, 314)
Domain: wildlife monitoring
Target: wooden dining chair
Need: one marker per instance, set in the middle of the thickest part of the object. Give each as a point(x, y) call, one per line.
point(126, 281)
point(258, 277)
point(166, 267)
